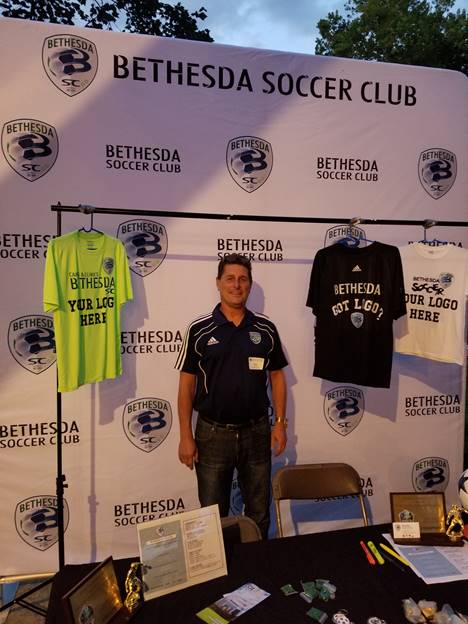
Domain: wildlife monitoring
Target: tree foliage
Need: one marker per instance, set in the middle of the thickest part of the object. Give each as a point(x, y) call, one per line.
point(148, 17)
point(413, 32)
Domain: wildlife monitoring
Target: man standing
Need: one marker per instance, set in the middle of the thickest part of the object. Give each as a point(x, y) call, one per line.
point(225, 361)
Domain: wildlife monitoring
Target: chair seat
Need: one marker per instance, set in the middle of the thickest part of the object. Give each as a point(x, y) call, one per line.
point(312, 481)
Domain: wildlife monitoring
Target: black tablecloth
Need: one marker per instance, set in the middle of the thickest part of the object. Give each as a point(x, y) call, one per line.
point(362, 589)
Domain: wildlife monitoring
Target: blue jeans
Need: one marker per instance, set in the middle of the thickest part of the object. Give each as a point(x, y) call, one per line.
point(222, 450)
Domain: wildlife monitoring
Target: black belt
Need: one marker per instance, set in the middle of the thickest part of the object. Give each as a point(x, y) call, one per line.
point(232, 426)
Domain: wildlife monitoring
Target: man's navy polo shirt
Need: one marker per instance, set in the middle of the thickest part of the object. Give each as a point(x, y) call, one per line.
point(231, 365)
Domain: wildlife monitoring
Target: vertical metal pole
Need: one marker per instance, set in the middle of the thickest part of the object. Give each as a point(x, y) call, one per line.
point(60, 480)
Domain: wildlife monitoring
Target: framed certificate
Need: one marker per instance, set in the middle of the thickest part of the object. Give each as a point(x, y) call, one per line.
point(96, 598)
point(426, 508)
point(180, 551)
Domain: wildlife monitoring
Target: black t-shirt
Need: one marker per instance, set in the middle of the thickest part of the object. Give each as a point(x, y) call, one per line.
point(356, 293)
point(231, 364)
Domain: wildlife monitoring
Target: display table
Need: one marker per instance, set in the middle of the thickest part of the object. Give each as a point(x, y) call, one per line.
point(364, 590)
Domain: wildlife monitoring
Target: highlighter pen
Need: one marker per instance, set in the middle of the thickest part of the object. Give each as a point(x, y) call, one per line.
point(394, 554)
point(370, 558)
point(393, 561)
point(375, 552)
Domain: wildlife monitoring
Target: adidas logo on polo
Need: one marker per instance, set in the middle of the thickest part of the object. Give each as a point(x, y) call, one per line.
point(356, 269)
point(212, 341)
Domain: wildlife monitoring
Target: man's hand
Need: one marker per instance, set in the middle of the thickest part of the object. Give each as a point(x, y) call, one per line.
point(188, 452)
point(278, 439)
point(278, 395)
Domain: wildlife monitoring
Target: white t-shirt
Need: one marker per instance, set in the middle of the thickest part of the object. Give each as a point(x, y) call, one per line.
point(436, 286)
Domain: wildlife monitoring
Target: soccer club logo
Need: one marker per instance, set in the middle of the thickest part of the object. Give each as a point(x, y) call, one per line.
point(70, 62)
point(446, 279)
point(145, 243)
point(437, 169)
point(30, 147)
point(343, 407)
point(357, 319)
point(147, 422)
point(108, 265)
point(36, 521)
point(31, 340)
point(87, 615)
point(431, 474)
point(255, 337)
point(249, 161)
point(348, 235)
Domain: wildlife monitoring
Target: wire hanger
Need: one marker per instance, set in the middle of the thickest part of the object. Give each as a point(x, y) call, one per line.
point(350, 240)
point(86, 209)
point(428, 223)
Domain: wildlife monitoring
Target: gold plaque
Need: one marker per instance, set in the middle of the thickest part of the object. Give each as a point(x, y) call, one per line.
point(96, 598)
point(427, 508)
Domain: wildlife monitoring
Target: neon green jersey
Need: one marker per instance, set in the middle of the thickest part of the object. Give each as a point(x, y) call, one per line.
point(85, 283)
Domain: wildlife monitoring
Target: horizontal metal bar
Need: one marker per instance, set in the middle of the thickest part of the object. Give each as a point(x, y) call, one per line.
point(238, 217)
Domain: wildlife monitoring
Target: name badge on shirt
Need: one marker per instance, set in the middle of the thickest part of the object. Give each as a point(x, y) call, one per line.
point(256, 363)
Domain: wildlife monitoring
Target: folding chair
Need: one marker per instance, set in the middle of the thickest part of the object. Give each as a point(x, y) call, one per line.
point(248, 528)
point(308, 481)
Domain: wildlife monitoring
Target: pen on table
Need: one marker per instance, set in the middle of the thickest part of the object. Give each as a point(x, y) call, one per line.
point(393, 561)
point(394, 554)
point(370, 558)
point(375, 552)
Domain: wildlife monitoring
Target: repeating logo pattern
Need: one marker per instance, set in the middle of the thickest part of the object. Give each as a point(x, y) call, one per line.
point(343, 407)
point(145, 243)
point(431, 474)
point(437, 169)
point(147, 422)
point(31, 340)
point(30, 147)
point(70, 62)
point(36, 520)
point(249, 161)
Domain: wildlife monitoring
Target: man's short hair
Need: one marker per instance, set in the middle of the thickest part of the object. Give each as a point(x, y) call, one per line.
point(235, 258)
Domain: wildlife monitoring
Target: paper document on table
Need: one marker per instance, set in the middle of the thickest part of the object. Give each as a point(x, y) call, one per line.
point(181, 550)
point(435, 564)
point(233, 604)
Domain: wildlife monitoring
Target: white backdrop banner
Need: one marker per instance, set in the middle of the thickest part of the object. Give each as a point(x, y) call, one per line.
point(144, 123)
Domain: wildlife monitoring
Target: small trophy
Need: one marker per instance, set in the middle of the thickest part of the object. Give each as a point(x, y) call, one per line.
point(133, 587)
point(454, 523)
